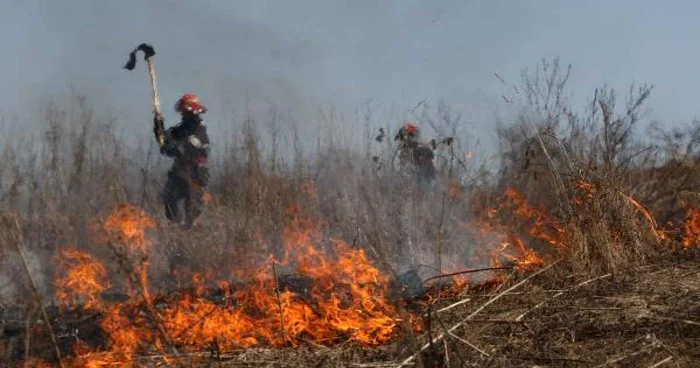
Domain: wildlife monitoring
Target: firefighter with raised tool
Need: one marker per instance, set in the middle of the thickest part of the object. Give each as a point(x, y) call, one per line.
point(188, 144)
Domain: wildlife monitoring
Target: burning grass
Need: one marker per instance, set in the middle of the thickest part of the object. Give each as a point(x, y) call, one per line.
point(315, 290)
point(335, 294)
point(298, 263)
point(345, 301)
point(338, 295)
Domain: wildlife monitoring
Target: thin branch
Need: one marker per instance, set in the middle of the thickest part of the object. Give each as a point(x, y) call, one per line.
point(279, 302)
point(627, 356)
point(468, 344)
point(373, 365)
point(686, 321)
point(447, 354)
point(19, 241)
point(496, 321)
point(465, 272)
point(462, 360)
point(491, 301)
point(463, 301)
point(662, 362)
point(550, 360)
point(520, 317)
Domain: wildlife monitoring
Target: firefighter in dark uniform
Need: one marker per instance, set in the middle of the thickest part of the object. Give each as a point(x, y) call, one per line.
point(415, 156)
point(188, 144)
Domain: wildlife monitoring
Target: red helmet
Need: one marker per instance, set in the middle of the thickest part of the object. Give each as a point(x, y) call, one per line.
point(410, 129)
point(190, 103)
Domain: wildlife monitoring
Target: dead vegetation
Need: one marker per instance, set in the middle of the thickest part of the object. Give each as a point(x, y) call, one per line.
point(597, 222)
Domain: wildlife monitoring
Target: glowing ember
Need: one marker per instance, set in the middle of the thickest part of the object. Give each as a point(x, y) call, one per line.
point(647, 216)
point(206, 197)
point(524, 258)
point(586, 192)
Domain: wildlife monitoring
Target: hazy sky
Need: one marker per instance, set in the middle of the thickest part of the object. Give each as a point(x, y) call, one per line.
point(303, 55)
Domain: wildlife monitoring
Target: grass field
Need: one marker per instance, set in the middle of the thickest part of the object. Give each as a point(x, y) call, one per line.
point(589, 217)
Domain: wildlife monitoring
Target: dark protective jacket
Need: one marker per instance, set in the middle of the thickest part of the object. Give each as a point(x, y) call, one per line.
point(188, 143)
point(417, 157)
point(412, 151)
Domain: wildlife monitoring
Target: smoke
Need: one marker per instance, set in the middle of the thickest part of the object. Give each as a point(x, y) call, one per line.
point(240, 59)
point(249, 57)
point(13, 278)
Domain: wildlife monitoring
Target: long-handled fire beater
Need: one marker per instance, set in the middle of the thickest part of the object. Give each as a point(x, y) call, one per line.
point(149, 52)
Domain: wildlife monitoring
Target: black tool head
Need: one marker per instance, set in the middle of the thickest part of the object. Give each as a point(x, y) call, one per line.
point(148, 51)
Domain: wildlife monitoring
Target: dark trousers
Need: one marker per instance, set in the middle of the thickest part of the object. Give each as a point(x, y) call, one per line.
point(178, 189)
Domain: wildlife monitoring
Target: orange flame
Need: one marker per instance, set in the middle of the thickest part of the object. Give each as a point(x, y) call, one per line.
point(337, 294)
point(586, 192)
point(83, 278)
point(501, 230)
point(206, 197)
point(129, 224)
point(539, 225)
point(508, 232)
point(344, 298)
point(691, 229)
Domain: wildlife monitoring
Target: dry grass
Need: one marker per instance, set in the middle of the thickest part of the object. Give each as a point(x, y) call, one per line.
point(591, 171)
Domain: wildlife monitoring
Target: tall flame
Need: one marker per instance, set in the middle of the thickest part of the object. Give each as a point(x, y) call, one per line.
point(81, 279)
point(691, 228)
point(128, 224)
point(344, 298)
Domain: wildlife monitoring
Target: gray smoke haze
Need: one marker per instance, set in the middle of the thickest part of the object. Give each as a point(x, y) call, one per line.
point(306, 56)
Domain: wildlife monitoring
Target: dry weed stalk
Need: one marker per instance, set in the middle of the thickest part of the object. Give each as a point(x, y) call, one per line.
point(18, 241)
point(279, 301)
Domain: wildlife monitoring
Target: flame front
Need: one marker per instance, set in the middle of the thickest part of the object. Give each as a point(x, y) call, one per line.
point(344, 301)
point(336, 294)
